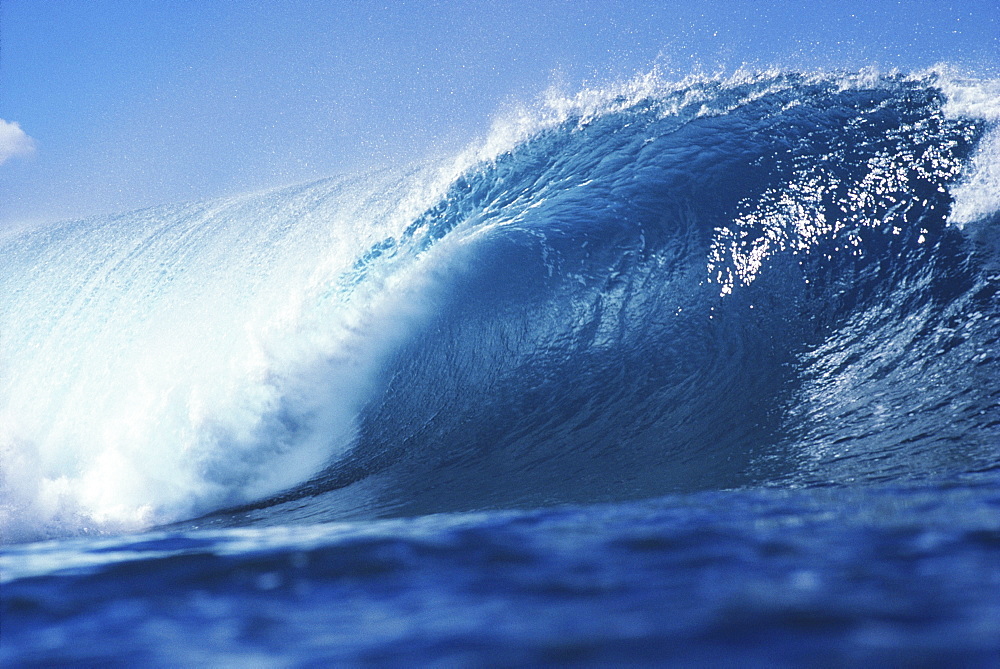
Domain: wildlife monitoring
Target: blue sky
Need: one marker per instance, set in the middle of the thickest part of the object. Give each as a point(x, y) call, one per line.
point(111, 105)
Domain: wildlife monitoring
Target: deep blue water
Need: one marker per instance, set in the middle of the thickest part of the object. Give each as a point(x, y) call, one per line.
point(703, 372)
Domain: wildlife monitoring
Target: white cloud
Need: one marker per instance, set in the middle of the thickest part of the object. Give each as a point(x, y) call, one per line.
point(13, 141)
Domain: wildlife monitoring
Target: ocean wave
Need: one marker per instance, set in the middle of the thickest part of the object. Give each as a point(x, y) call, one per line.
point(764, 279)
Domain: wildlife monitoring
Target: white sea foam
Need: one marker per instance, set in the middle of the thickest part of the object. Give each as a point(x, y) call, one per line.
point(977, 196)
point(162, 363)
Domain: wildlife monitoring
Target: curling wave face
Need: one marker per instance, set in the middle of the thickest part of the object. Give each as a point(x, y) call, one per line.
point(771, 279)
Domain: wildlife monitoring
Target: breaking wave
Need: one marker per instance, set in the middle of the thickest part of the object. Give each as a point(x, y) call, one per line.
point(766, 279)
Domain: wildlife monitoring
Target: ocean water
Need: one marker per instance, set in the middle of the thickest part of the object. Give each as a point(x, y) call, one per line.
point(698, 372)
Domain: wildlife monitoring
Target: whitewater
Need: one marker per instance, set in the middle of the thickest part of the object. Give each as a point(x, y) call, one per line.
point(664, 370)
